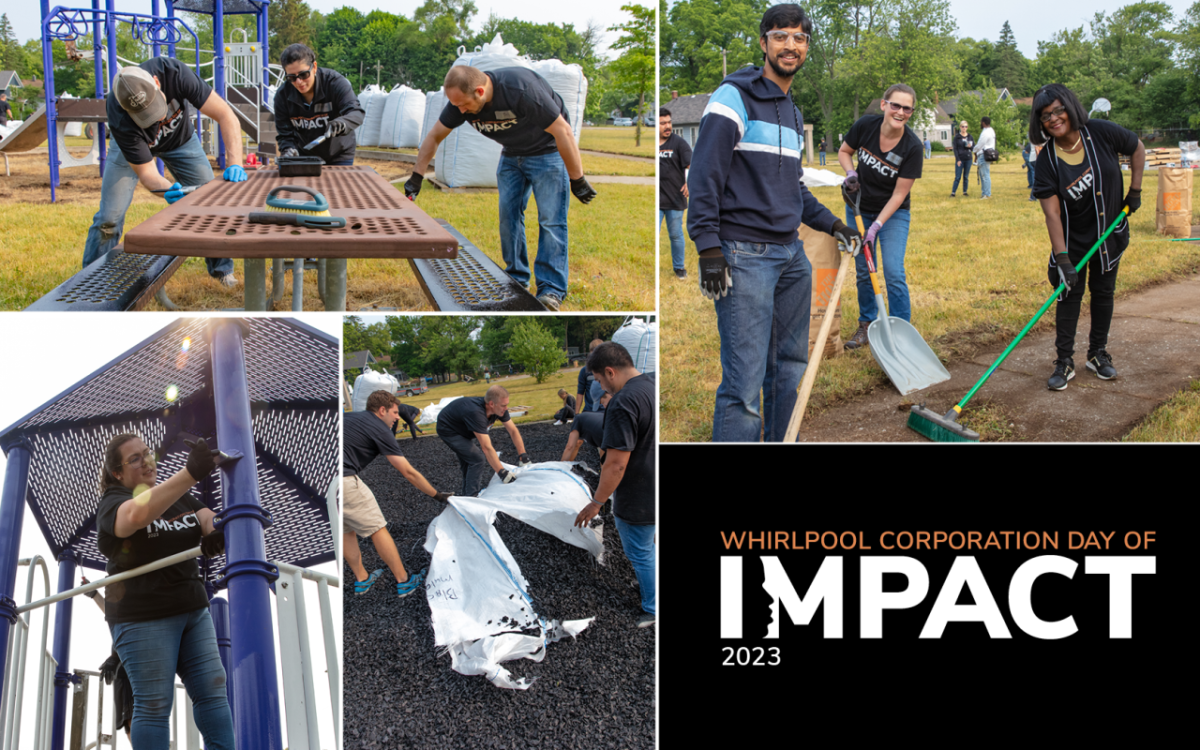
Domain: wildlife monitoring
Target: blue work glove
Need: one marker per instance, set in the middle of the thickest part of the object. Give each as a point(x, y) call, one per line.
point(235, 173)
point(174, 193)
point(873, 230)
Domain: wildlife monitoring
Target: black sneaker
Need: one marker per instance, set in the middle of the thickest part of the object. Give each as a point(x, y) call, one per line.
point(1064, 370)
point(681, 273)
point(859, 338)
point(646, 620)
point(1101, 364)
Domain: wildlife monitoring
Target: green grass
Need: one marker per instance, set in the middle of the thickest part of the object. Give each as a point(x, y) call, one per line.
point(594, 165)
point(1177, 420)
point(542, 400)
point(976, 274)
point(618, 141)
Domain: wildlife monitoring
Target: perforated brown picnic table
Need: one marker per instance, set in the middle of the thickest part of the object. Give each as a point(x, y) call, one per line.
point(212, 223)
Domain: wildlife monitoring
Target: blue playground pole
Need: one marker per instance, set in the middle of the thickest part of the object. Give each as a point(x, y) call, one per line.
point(101, 128)
point(247, 574)
point(12, 514)
point(62, 647)
point(110, 38)
point(219, 611)
point(263, 34)
point(219, 68)
point(171, 14)
point(51, 99)
point(156, 48)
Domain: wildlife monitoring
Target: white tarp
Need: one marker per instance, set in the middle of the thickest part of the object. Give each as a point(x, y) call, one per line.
point(10, 128)
point(430, 413)
point(478, 598)
point(403, 114)
point(820, 178)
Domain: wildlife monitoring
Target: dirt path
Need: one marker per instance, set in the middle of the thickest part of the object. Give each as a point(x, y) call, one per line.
point(1155, 344)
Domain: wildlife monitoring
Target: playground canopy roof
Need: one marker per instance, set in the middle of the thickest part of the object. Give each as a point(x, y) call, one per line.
point(162, 389)
point(229, 7)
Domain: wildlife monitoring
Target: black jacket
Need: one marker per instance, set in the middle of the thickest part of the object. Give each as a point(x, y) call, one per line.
point(299, 122)
point(962, 147)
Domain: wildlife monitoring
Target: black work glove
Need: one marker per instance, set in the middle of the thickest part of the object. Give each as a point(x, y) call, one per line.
point(715, 277)
point(851, 181)
point(336, 128)
point(524, 459)
point(212, 545)
point(290, 152)
point(108, 670)
point(582, 190)
point(201, 461)
point(506, 476)
point(849, 240)
point(412, 188)
point(83, 581)
point(1133, 200)
point(442, 497)
point(1066, 271)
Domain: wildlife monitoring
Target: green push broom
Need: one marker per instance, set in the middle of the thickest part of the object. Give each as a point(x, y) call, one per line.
point(946, 429)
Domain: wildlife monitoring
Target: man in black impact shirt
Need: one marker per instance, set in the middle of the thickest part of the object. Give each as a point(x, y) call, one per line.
point(588, 427)
point(410, 415)
point(466, 420)
point(367, 434)
point(517, 108)
point(319, 102)
point(150, 110)
point(628, 473)
point(674, 159)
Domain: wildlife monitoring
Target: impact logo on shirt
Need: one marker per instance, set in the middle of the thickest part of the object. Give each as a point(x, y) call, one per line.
point(1081, 185)
point(320, 122)
point(169, 124)
point(877, 164)
point(182, 522)
point(494, 126)
point(667, 154)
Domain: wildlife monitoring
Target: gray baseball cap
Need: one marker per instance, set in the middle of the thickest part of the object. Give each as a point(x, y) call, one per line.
point(139, 96)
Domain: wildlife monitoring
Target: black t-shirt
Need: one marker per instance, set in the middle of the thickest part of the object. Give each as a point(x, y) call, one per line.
point(466, 416)
point(182, 87)
point(586, 378)
point(523, 105)
point(408, 413)
point(674, 157)
point(629, 426)
point(365, 436)
point(590, 426)
point(170, 591)
point(4, 107)
point(879, 171)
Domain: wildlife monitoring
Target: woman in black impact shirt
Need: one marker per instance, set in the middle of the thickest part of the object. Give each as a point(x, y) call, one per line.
point(160, 621)
point(1079, 183)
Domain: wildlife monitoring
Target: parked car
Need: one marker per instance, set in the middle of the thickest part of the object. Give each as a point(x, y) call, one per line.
point(623, 122)
point(415, 388)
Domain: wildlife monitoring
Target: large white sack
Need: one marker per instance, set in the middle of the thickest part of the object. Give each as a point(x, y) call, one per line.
point(430, 413)
point(368, 95)
point(569, 82)
point(478, 598)
point(434, 101)
point(640, 339)
point(367, 383)
point(403, 116)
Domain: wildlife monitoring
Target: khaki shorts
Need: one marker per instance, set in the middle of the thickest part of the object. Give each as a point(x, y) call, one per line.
point(360, 511)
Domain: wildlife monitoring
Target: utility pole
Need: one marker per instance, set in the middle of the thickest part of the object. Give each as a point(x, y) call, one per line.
point(378, 68)
point(360, 75)
point(724, 72)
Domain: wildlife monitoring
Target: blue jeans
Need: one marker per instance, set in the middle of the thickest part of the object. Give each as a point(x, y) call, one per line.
point(893, 240)
point(1029, 174)
point(822, 158)
point(962, 169)
point(763, 323)
point(675, 232)
point(546, 176)
point(189, 165)
point(638, 543)
point(153, 652)
point(471, 462)
point(985, 176)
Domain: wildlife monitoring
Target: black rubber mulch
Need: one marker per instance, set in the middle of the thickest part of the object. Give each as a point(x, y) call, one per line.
point(595, 691)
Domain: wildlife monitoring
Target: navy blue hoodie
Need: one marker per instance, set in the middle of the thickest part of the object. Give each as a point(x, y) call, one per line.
point(744, 183)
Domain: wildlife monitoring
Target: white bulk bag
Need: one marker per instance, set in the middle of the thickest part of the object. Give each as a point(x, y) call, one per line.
point(640, 339)
point(430, 413)
point(403, 116)
point(568, 82)
point(369, 94)
point(367, 383)
point(434, 101)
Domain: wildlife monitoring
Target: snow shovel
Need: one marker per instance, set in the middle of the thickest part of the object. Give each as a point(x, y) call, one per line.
point(904, 356)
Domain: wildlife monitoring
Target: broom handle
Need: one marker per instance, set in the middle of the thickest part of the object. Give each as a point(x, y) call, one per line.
point(810, 374)
point(1040, 313)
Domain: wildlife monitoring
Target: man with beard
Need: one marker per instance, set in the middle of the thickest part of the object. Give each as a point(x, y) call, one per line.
point(674, 159)
point(746, 204)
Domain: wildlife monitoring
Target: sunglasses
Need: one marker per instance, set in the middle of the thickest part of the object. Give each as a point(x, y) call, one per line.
point(898, 107)
point(302, 75)
point(1056, 112)
point(780, 37)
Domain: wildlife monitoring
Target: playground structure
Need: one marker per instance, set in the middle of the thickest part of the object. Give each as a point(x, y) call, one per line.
point(265, 392)
point(242, 74)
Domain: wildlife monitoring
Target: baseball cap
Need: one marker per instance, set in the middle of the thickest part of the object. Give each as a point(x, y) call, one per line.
point(139, 96)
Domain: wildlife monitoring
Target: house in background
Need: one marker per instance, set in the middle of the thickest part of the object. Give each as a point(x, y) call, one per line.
point(9, 80)
point(935, 124)
point(951, 105)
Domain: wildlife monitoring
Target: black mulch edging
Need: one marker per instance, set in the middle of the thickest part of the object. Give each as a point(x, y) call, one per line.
point(594, 691)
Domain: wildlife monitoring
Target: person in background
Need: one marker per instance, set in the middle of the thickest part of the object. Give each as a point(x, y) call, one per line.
point(821, 151)
point(674, 159)
point(1079, 183)
point(987, 139)
point(587, 391)
point(1030, 154)
point(567, 413)
point(964, 144)
point(319, 102)
point(410, 415)
point(928, 148)
point(5, 110)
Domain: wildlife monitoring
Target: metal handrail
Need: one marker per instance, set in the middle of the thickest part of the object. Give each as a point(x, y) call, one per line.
point(13, 697)
point(178, 557)
point(299, 695)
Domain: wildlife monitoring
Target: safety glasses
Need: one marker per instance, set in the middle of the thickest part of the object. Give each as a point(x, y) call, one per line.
point(779, 37)
point(898, 107)
point(302, 75)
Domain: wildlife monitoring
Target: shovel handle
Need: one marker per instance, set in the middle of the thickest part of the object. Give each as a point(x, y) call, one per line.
point(810, 374)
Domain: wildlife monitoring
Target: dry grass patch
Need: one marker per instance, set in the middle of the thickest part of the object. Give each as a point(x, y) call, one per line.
point(1177, 420)
point(619, 140)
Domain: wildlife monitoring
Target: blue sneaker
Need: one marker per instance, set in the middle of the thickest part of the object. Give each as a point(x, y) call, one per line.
point(412, 584)
point(362, 587)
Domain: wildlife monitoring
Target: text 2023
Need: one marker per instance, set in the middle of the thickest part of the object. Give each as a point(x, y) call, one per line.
point(751, 657)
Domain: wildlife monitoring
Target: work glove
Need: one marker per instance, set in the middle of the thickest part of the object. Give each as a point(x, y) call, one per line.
point(524, 460)
point(108, 670)
point(506, 476)
point(715, 277)
point(871, 232)
point(1133, 200)
point(412, 188)
point(174, 193)
point(235, 173)
point(582, 190)
point(83, 581)
point(849, 240)
point(212, 545)
point(336, 128)
point(201, 461)
point(442, 497)
point(1066, 271)
point(851, 181)
point(290, 152)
